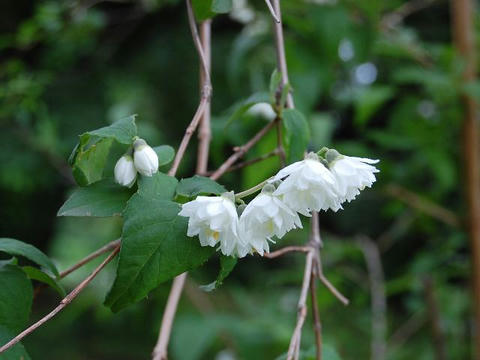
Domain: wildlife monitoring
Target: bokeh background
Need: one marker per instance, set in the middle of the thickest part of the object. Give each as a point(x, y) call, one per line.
point(378, 79)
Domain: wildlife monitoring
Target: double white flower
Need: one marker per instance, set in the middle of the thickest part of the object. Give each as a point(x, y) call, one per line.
point(215, 220)
point(310, 186)
point(264, 217)
point(145, 161)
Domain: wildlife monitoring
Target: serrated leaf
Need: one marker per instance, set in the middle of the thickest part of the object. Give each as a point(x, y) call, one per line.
point(122, 130)
point(89, 161)
point(227, 263)
point(155, 248)
point(199, 185)
point(16, 298)
point(165, 154)
point(16, 352)
point(296, 134)
point(159, 186)
point(102, 199)
point(19, 248)
point(38, 275)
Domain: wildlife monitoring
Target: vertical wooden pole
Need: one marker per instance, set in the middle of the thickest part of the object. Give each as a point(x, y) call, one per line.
point(463, 12)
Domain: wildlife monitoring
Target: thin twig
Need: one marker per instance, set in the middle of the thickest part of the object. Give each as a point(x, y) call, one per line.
point(425, 205)
point(67, 300)
point(280, 51)
point(272, 11)
point(302, 307)
point(111, 245)
point(317, 324)
point(328, 284)
point(376, 278)
point(241, 150)
point(243, 164)
point(204, 132)
point(438, 335)
point(285, 250)
point(160, 350)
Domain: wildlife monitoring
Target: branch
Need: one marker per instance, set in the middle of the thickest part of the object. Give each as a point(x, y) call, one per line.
point(285, 250)
point(420, 203)
point(438, 335)
point(204, 133)
point(378, 297)
point(317, 325)
point(302, 308)
point(241, 150)
point(67, 300)
point(328, 284)
point(243, 164)
point(272, 11)
point(110, 246)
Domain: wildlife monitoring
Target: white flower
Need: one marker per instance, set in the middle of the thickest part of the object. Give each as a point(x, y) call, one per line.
point(310, 186)
point(125, 172)
point(352, 175)
point(263, 110)
point(264, 217)
point(214, 219)
point(145, 158)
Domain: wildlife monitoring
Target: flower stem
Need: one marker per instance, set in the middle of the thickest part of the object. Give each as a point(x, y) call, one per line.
point(251, 191)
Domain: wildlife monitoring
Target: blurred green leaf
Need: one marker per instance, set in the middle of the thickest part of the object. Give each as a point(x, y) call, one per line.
point(368, 100)
point(155, 248)
point(227, 263)
point(15, 298)
point(102, 199)
point(199, 185)
point(16, 352)
point(19, 248)
point(165, 154)
point(296, 134)
point(38, 275)
point(122, 130)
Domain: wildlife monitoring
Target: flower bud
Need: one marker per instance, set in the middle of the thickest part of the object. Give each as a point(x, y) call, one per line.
point(263, 110)
point(125, 172)
point(145, 158)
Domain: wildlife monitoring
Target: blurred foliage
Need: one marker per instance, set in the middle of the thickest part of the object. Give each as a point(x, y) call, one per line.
point(370, 83)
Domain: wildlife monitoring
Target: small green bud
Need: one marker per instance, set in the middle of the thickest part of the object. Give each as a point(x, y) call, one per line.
point(139, 143)
point(332, 155)
point(268, 189)
point(321, 153)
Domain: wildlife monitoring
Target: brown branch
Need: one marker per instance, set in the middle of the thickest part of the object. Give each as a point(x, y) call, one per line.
point(241, 150)
point(406, 330)
point(67, 300)
point(302, 308)
point(280, 51)
point(463, 26)
point(328, 284)
point(376, 278)
point(424, 205)
point(243, 164)
point(317, 324)
point(438, 335)
point(110, 246)
point(272, 11)
point(204, 133)
point(285, 250)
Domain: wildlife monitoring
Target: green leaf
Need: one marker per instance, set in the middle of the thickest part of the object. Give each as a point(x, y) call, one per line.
point(39, 275)
point(242, 108)
point(102, 199)
point(227, 263)
point(205, 9)
point(89, 159)
point(155, 248)
point(275, 80)
point(159, 186)
point(369, 100)
point(199, 185)
point(296, 134)
point(165, 154)
point(122, 130)
point(19, 248)
point(16, 352)
point(15, 298)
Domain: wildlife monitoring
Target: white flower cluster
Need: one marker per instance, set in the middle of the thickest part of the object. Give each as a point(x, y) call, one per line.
point(144, 161)
point(313, 184)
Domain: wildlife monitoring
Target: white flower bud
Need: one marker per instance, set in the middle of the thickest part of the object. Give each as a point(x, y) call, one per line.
point(263, 110)
point(145, 158)
point(125, 172)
